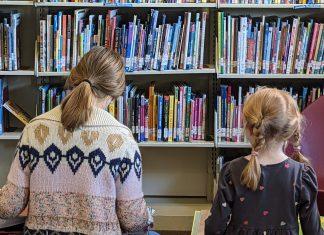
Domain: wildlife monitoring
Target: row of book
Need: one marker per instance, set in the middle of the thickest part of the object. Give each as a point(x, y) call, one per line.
point(151, 44)
point(129, 1)
point(175, 116)
point(9, 41)
point(269, 45)
point(229, 106)
point(179, 115)
point(311, 2)
point(49, 97)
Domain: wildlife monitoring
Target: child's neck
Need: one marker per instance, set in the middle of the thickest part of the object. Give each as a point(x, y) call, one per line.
point(272, 154)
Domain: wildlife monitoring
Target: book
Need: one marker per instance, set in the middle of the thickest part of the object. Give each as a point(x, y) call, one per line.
point(229, 106)
point(10, 41)
point(149, 44)
point(269, 45)
point(17, 111)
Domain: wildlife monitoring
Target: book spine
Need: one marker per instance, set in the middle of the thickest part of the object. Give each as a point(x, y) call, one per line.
point(187, 114)
point(171, 114)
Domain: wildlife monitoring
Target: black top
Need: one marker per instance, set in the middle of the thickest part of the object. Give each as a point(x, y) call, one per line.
point(286, 190)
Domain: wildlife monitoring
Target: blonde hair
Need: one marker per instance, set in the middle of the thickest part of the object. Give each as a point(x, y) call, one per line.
point(100, 73)
point(270, 115)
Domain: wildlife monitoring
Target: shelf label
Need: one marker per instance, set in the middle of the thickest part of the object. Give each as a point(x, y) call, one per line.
point(309, 6)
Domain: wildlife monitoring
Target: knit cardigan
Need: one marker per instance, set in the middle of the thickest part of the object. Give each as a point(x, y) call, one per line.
point(87, 181)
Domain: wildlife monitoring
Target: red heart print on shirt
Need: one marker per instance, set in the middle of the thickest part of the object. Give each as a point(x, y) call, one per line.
point(261, 188)
point(242, 199)
point(245, 222)
point(265, 213)
point(287, 165)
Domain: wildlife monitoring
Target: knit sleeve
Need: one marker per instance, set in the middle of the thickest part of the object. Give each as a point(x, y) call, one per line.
point(308, 211)
point(216, 223)
point(131, 207)
point(14, 195)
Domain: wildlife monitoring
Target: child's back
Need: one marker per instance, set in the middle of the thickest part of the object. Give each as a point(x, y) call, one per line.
point(266, 192)
point(285, 190)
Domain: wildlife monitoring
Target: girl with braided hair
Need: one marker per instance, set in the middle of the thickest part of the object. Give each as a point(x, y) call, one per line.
point(265, 192)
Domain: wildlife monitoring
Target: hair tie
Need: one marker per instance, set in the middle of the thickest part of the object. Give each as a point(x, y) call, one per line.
point(297, 149)
point(254, 153)
point(87, 81)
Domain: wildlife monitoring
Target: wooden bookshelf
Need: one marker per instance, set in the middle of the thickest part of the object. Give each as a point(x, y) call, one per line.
point(125, 5)
point(144, 72)
point(10, 136)
point(17, 73)
point(271, 76)
point(271, 6)
point(16, 3)
point(193, 144)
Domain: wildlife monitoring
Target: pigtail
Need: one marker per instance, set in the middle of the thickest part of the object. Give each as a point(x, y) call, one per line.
point(251, 174)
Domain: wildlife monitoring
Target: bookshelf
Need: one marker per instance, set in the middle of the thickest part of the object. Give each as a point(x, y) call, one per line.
point(177, 200)
point(125, 5)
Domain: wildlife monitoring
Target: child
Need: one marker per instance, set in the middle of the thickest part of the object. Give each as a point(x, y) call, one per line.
point(264, 193)
point(78, 169)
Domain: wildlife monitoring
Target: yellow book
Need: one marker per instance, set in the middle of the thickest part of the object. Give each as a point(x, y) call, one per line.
point(171, 110)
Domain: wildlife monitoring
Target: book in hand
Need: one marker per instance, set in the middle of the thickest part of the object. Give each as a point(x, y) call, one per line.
point(269, 45)
point(229, 106)
point(17, 111)
point(155, 43)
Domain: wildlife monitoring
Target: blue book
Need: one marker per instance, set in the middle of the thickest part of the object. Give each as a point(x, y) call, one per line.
point(128, 59)
point(269, 42)
point(159, 124)
point(190, 46)
point(60, 44)
point(304, 97)
point(55, 49)
point(265, 44)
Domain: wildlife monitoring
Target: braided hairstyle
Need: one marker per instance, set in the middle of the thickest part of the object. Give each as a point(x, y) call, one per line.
point(270, 115)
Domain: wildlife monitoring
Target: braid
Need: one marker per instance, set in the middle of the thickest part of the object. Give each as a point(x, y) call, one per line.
point(252, 172)
point(295, 141)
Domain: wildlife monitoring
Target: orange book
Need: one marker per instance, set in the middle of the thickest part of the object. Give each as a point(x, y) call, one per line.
point(151, 113)
point(64, 43)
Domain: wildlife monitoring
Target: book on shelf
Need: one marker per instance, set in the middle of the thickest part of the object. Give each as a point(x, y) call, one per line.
point(269, 45)
point(17, 111)
point(229, 107)
point(153, 116)
point(217, 169)
point(151, 44)
point(49, 97)
point(10, 41)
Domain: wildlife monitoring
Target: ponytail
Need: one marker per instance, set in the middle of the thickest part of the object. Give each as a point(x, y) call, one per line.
point(251, 174)
point(76, 107)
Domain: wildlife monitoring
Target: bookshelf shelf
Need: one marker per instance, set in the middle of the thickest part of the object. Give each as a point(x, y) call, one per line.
point(10, 136)
point(16, 3)
point(194, 144)
point(17, 73)
point(127, 5)
point(232, 145)
point(146, 72)
point(271, 6)
point(271, 76)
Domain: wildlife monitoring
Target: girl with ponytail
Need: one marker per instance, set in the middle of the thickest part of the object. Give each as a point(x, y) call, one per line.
point(76, 167)
point(266, 192)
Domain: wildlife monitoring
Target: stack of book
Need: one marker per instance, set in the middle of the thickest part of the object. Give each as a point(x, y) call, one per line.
point(270, 1)
point(176, 116)
point(9, 41)
point(269, 45)
point(144, 45)
point(229, 106)
point(49, 97)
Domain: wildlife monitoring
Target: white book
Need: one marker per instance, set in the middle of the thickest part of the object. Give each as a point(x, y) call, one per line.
point(196, 43)
point(258, 41)
point(166, 46)
point(292, 44)
point(244, 46)
point(78, 14)
point(15, 22)
point(187, 31)
point(202, 39)
point(156, 54)
point(275, 66)
point(229, 43)
point(48, 43)
point(239, 113)
point(42, 53)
